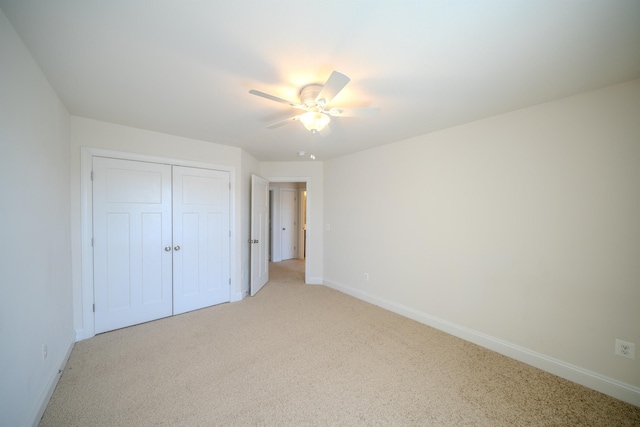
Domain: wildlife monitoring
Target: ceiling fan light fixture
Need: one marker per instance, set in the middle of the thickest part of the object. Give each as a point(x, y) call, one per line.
point(314, 100)
point(314, 121)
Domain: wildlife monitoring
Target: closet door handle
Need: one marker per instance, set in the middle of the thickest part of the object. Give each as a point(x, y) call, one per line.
point(167, 248)
point(177, 248)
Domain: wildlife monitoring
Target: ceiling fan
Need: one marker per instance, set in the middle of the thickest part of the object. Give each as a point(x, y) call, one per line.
point(314, 100)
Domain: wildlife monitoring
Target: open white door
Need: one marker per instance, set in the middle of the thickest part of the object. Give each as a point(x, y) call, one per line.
point(259, 240)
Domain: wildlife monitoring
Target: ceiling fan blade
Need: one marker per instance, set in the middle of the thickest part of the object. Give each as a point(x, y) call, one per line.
point(353, 112)
point(336, 82)
point(283, 122)
point(275, 98)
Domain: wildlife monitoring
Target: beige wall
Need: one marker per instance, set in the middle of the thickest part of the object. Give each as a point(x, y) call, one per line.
point(521, 229)
point(35, 265)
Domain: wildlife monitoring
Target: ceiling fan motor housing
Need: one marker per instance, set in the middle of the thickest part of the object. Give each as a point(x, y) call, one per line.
point(308, 95)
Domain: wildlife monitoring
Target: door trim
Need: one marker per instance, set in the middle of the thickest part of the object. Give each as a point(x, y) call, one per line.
point(302, 219)
point(87, 154)
point(308, 279)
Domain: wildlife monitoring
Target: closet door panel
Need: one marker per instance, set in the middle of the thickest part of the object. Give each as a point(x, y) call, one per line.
point(216, 246)
point(188, 262)
point(152, 258)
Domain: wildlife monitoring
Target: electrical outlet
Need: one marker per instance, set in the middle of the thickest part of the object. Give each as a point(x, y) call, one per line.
point(625, 349)
point(44, 351)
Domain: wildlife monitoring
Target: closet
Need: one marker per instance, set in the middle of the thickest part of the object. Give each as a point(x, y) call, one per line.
point(161, 239)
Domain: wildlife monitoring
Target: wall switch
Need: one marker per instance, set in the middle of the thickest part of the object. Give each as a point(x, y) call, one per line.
point(625, 349)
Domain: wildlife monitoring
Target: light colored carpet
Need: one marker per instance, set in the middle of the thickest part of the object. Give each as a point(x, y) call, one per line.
point(299, 355)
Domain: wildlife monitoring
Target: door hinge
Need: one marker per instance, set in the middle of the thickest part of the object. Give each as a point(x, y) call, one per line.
point(229, 280)
point(94, 308)
point(229, 233)
point(91, 175)
point(92, 242)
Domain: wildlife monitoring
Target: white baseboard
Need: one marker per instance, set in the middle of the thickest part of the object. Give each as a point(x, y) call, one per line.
point(609, 386)
point(51, 386)
point(238, 296)
point(314, 281)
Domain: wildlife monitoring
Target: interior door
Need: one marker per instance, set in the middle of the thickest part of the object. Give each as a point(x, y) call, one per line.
point(132, 242)
point(302, 223)
point(259, 240)
point(201, 238)
point(288, 213)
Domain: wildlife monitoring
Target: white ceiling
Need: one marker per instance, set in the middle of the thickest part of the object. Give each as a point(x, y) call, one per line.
point(185, 67)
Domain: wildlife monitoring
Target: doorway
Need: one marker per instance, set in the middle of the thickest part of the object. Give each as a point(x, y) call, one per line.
point(288, 221)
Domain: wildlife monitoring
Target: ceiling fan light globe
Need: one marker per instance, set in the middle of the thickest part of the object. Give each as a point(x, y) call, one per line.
point(314, 121)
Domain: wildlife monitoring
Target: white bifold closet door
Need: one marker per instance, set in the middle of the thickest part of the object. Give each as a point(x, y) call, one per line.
point(201, 238)
point(161, 240)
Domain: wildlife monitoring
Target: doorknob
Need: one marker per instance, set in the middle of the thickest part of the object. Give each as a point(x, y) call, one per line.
point(283, 228)
point(167, 248)
point(177, 248)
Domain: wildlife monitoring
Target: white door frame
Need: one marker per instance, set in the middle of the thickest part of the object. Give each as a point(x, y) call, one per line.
point(310, 219)
point(302, 219)
point(86, 218)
